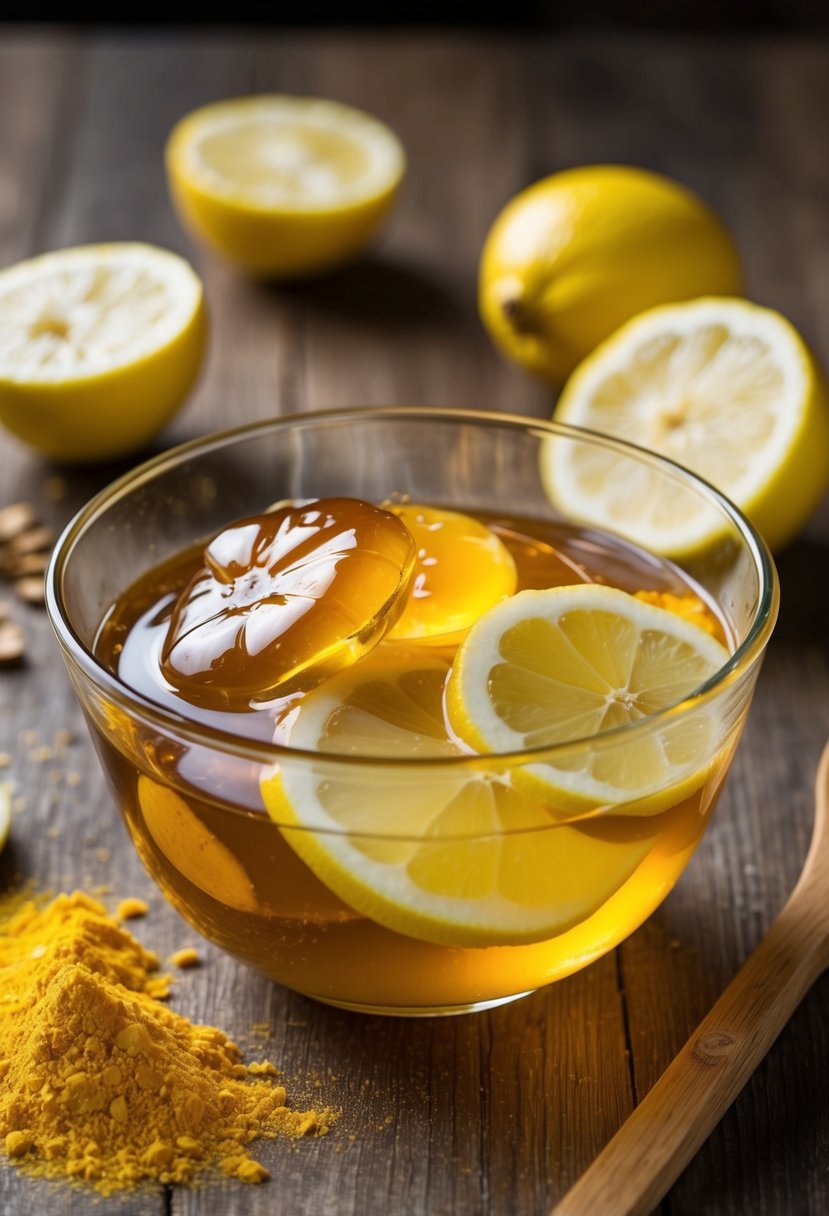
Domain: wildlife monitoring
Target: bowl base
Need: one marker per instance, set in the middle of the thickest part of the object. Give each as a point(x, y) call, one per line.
point(419, 1011)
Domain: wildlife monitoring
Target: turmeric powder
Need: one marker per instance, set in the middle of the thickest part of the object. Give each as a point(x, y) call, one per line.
point(688, 605)
point(101, 1082)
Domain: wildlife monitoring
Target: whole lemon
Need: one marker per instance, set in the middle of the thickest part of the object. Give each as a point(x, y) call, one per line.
point(574, 256)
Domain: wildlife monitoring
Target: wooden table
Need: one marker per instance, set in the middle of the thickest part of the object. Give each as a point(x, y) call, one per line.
point(493, 1114)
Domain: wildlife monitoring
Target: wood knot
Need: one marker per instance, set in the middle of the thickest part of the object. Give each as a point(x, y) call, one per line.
point(712, 1048)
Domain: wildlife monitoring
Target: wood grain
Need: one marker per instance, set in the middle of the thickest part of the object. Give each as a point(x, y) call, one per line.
point(499, 1113)
point(676, 1116)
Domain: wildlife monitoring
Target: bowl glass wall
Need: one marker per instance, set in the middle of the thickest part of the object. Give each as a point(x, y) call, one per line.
point(190, 794)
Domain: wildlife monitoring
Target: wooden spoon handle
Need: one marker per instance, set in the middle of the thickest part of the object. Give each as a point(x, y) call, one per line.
point(653, 1146)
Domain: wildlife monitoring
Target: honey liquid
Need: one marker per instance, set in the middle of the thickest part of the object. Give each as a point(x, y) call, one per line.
point(196, 816)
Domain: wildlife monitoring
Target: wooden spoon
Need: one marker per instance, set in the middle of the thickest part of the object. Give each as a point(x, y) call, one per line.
point(653, 1146)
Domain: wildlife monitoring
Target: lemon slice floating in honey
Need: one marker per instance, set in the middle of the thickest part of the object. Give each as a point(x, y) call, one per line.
point(462, 569)
point(442, 853)
point(569, 664)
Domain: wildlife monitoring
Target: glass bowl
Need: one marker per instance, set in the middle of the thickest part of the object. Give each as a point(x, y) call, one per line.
point(265, 888)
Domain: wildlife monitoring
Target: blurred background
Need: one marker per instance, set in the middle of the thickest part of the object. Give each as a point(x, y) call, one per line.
point(532, 14)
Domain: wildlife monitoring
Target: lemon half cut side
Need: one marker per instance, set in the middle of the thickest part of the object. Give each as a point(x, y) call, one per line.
point(443, 853)
point(99, 345)
point(283, 185)
point(569, 664)
point(726, 389)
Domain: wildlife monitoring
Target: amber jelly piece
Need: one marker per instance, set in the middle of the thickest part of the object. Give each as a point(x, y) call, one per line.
point(285, 599)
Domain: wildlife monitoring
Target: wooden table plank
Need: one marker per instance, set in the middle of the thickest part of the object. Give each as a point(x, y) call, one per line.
point(495, 1113)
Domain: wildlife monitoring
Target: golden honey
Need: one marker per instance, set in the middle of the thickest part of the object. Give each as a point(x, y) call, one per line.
point(196, 814)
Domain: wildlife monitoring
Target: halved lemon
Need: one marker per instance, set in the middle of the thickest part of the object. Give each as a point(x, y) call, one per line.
point(548, 668)
point(99, 346)
point(447, 853)
point(461, 569)
point(283, 185)
point(5, 814)
point(724, 387)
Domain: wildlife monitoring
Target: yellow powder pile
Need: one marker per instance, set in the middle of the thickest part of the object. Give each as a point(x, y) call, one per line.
point(101, 1082)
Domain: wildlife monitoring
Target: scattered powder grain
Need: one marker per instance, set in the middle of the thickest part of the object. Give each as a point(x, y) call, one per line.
point(131, 909)
point(100, 1082)
point(689, 606)
point(188, 956)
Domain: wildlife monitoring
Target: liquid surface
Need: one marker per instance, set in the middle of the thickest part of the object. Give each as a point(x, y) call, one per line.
point(197, 817)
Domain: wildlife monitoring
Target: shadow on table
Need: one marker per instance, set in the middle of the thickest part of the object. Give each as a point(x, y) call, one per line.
point(374, 290)
point(804, 588)
point(12, 866)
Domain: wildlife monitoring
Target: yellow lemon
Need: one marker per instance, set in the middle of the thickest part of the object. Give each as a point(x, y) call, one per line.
point(192, 848)
point(283, 186)
point(461, 569)
point(723, 387)
point(448, 853)
point(5, 814)
point(571, 664)
point(575, 255)
point(99, 346)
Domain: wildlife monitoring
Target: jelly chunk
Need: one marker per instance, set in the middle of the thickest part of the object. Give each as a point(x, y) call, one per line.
point(297, 592)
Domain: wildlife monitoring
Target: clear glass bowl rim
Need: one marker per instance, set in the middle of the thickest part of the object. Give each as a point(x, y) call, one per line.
point(149, 712)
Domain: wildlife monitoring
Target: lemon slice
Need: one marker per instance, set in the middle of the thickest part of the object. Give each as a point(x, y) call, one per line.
point(724, 387)
point(5, 814)
point(189, 845)
point(461, 569)
point(283, 185)
point(552, 667)
point(98, 347)
point(443, 853)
